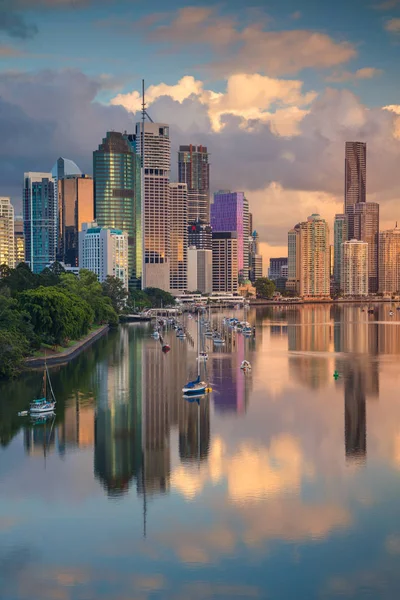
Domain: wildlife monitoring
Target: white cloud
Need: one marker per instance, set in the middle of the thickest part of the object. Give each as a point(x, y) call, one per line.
point(393, 25)
point(364, 73)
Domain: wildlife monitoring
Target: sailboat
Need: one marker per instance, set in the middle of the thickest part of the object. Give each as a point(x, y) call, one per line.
point(196, 387)
point(44, 404)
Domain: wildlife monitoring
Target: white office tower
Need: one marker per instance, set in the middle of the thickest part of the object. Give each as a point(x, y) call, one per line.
point(354, 268)
point(178, 236)
point(104, 251)
point(389, 261)
point(7, 250)
point(156, 146)
point(199, 270)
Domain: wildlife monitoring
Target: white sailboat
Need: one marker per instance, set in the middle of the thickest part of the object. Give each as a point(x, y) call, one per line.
point(196, 387)
point(44, 405)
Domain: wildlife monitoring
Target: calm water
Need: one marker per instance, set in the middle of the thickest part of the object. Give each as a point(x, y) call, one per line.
point(282, 484)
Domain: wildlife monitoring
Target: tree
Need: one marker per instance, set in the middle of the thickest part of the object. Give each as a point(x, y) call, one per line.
point(138, 300)
point(19, 279)
point(159, 297)
point(87, 286)
point(13, 347)
point(114, 289)
point(264, 287)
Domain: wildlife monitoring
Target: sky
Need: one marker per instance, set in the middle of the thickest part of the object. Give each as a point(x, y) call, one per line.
point(274, 89)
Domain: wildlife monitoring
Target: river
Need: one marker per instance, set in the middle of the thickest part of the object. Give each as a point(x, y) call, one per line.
point(282, 483)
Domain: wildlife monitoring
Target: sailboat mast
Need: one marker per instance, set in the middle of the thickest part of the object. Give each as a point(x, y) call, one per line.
point(44, 383)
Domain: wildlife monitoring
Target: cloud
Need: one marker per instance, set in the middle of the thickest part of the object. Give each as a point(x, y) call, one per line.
point(6, 51)
point(386, 4)
point(249, 48)
point(296, 15)
point(393, 25)
point(14, 25)
point(364, 73)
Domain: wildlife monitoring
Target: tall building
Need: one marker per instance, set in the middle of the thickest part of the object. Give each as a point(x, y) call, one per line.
point(104, 251)
point(354, 268)
point(293, 282)
point(275, 266)
point(339, 236)
point(194, 170)
point(225, 261)
point(314, 257)
point(389, 261)
point(199, 270)
point(40, 220)
point(200, 235)
point(246, 234)
point(155, 143)
point(227, 214)
point(75, 206)
point(255, 258)
point(256, 267)
point(355, 179)
point(366, 229)
point(7, 248)
point(19, 240)
point(178, 236)
point(117, 194)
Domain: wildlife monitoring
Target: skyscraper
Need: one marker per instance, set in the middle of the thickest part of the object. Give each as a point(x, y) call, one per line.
point(275, 265)
point(200, 235)
point(156, 207)
point(7, 248)
point(225, 261)
point(354, 268)
point(199, 270)
point(340, 236)
point(178, 236)
point(366, 229)
point(355, 179)
point(40, 220)
point(117, 193)
point(255, 258)
point(194, 170)
point(389, 261)
point(19, 240)
point(75, 206)
point(227, 214)
point(293, 282)
point(314, 257)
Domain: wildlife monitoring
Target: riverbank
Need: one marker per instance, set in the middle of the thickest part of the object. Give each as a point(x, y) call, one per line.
point(67, 354)
point(265, 302)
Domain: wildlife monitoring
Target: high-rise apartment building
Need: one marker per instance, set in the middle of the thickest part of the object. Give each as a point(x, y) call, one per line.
point(40, 220)
point(256, 267)
point(194, 170)
point(104, 251)
point(155, 143)
point(339, 236)
point(227, 214)
point(255, 258)
point(354, 268)
point(389, 262)
point(75, 206)
point(275, 266)
point(200, 235)
point(314, 258)
point(365, 217)
point(225, 261)
point(178, 236)
point(117, 194)
point(19, 240)
point(355, 179)
point(7, 248)
point(293, 281)
point(246, 234)
point(199, 270)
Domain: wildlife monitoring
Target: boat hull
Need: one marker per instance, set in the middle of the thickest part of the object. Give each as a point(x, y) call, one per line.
point(196, 390)
point(42, 409)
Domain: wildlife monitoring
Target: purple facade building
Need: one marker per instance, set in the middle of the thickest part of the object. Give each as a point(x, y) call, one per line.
point(228, 213)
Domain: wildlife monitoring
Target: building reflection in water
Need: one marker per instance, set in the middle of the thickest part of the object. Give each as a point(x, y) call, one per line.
point(40, 437)
point(355, 415)
point(231, 386)
point(77, 428)
point(194, 431)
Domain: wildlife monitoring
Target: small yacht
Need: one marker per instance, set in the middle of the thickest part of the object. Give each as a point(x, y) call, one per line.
point(391, 313)
point(43, 404)
point(155, 334)
point(202, 356)
point(218, 341)
point(245, 366)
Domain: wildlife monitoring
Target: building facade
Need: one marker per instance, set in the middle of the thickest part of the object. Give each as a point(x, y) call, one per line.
point(389, 262)
point(40, 220)
point(104, 252)
point(355, 180)
point(293, 280)
point(255, 258)
point(117, 194)
point(366, 229)
point(194, 170)
point(7, 245)
point(200, 235)
point(227, 214)
point(178, 237)
point(19, 240)
point(275, 266)
point(75, 206)
point(314, 258)
point(224, 261)
point(339, 236)
point(199, 270)
point(354, 269)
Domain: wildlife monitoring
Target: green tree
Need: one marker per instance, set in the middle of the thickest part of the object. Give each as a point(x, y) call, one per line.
point(264, 287)
point(19, 279)
point(13, 347)
point(114, 289)
point(138, 300)
point(159, 297)
point(87, 286)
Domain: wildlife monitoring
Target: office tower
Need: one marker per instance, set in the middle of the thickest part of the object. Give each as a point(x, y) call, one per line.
point(293, 282)
point(40, 220)
point(63, 168)
point(117, 195)
point(314, 257)
point(199, 270)
point(156, 209)
point(227, 214)
point(19, 240)
point(104, 251)
point(250, 223)
point(246, 234)
point(331, 259)
point(194, 170)
point(7, 247)
point(340, 236)
point(389, 261)
point(255, 258)
point(354, 268)
point(75, 206)
point(224, 261)
point(257, 266)
point(366, 229)
point(178, 236)
point(275, 266)
point(200, 235)
point(355, 179)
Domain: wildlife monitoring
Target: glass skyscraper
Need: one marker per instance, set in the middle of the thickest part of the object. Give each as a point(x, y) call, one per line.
point(227, 214)
point(117, 195)
point(40, 220)
point(194, 170)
